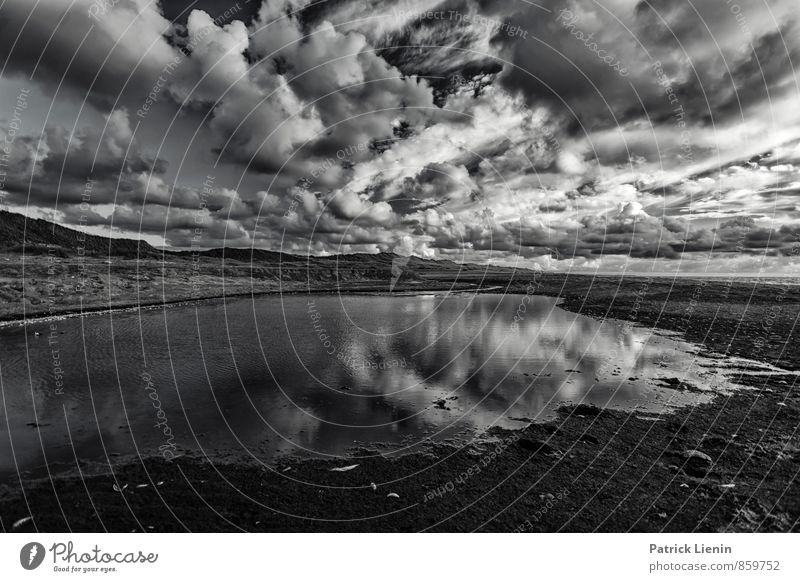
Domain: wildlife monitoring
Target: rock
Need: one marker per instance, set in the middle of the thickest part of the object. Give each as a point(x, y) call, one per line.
point(697, 463)
point(586, 409)
point(344, 469)
point(678, 384)
point(441, 404)
point(535, 446)
point(587, 438)
point(21, 522)
point(695, 454)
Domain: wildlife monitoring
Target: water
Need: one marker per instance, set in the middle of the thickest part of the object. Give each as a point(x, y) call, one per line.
point(315, 375)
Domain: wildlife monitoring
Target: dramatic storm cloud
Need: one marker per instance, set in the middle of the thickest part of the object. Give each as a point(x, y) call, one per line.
point(649, 135)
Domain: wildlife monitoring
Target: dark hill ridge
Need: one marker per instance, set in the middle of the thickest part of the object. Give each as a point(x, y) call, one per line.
point(246, 255)
point(18, 233)
point(32, 236)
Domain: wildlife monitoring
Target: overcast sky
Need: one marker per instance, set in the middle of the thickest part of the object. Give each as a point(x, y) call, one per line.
point(653, 135)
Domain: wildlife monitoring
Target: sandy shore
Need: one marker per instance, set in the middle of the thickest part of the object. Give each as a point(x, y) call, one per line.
point(730, 465)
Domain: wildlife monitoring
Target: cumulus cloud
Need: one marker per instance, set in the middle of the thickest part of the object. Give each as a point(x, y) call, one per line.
point(593, 135)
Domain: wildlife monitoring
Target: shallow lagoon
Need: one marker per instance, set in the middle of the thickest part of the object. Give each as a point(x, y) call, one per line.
point(319, 375)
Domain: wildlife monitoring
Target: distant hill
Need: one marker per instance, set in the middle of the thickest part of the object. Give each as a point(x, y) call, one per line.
point(18, 234)
point(236, 254)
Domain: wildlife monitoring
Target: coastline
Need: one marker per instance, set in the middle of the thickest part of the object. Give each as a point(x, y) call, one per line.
point(18, 318)
point(21, 320)
point(625, 470)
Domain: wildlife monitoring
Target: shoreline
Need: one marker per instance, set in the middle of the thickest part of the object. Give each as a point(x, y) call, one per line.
point(378, 288)
point(727, 465)
point(40, 316)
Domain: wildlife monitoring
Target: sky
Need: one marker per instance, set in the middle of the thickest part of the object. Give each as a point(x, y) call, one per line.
point(591, 135)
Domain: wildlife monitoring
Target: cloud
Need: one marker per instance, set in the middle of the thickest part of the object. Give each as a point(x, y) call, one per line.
point(62, 162)
point(95, 57)
point(600, 136)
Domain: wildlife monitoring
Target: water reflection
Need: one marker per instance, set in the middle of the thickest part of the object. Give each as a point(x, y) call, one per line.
point(314, 375)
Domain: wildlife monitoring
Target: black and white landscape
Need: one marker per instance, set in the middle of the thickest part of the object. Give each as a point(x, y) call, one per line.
point(373, 265)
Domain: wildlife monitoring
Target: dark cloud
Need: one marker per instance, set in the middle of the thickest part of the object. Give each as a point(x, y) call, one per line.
point(674, 54)
point(62, 163)
point(224, 12)
point(60, 44)
point(417, 127)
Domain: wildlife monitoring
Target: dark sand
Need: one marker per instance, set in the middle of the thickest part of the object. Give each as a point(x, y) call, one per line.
point(591, 470)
